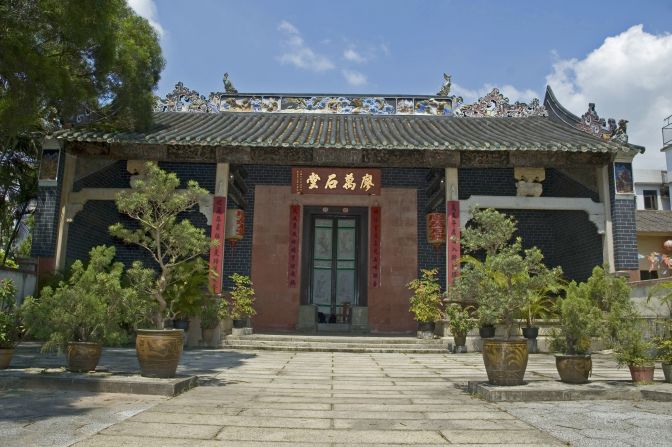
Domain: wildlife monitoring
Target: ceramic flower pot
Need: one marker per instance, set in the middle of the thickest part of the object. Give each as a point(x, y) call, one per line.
point(667, 372)
point(642, 374)
point(505, 361)
point(574, 368)
point(83, 356)
point(6, 357)
point(159, 351)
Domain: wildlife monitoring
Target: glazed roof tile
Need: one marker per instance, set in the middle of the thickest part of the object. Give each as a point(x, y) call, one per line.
point(245, 129)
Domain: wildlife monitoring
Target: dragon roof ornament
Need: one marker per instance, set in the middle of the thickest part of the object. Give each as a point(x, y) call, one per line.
point(494, 104)
point(591, 123)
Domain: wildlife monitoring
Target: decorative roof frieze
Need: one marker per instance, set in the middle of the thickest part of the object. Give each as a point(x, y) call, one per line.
point(494, 104)
point(607, 130)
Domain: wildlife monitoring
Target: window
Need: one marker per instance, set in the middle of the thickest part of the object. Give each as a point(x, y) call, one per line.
point(645, 274)
point(650, 199)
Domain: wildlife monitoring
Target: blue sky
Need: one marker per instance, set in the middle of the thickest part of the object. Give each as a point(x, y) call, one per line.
point(588, 51)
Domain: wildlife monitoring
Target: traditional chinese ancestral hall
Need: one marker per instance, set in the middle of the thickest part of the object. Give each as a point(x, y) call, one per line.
point(334, 203)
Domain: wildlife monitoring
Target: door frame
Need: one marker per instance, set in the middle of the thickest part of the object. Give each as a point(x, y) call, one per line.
point(308, 241)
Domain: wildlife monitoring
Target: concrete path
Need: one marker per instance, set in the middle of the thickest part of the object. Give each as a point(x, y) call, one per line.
point(320, 399)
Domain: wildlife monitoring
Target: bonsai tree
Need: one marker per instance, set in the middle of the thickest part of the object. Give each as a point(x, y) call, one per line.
point(426, 299)
point(10, 324)
point(90, 306)
point(154, 202)
point(580, 320)
point(502, 281)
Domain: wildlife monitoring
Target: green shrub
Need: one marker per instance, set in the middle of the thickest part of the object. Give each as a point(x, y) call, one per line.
point(10, 324)
point(90, 306)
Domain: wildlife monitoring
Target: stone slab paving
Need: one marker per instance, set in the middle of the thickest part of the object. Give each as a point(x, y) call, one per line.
point(61, 418)
point(295, 398)
point(265, 398)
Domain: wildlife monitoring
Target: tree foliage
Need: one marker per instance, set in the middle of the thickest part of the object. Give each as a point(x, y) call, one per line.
point(155, 203)
point(509, 276)
point(60, 59)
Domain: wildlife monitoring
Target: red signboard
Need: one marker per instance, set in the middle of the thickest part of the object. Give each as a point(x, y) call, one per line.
point(293, 250)
point(374, 248)
point(453, 243)
point(346, 181)
point(217, 252)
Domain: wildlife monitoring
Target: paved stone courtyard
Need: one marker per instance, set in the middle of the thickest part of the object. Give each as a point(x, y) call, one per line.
point(318, 399)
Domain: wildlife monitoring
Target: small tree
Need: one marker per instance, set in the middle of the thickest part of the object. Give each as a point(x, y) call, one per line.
point(241, 297)
point(502, 282)
point(10, 327)
point(580, 320)
point(426, 300)
point(155, 203)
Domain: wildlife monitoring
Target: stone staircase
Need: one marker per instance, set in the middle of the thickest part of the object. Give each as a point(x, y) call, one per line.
point(336, 343)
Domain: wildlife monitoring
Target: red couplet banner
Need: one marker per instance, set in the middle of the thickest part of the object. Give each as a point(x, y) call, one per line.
point(453, 242)
point(217, 252)
point(293, 250)
point(374, 248)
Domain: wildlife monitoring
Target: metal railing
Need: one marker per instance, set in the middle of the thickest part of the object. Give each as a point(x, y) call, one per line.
point(667, 131)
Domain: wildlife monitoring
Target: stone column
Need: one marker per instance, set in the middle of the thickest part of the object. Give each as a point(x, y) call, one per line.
point(64, 219)
point(452, 223)
point(218, 223)
point(608, 236)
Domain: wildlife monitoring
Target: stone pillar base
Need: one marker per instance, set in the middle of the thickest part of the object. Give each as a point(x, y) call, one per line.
point(307, 318)
point(360, 319)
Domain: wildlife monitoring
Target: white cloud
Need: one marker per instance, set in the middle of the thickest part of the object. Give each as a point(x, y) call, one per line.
point(509, 91)
point(354, 78)
point(298, 53)
point(628, 77)
point(353, 56)
point(147, 9)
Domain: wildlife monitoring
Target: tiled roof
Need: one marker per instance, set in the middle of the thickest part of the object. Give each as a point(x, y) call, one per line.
point(653, 221)
point(235, 129)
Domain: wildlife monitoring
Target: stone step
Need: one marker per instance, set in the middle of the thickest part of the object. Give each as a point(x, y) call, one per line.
point(337, 348)
point(340, 339)
point(318, 343)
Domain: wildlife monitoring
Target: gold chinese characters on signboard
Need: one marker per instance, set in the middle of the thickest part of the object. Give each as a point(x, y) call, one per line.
point(336, 181)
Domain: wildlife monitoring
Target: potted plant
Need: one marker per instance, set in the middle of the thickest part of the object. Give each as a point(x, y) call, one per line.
point(83, 312)
point(486, 322)
point(580, 320)
point(209, 316)
point(636, 353)
point(664, 354)
point(502, 278)
point(10, 324)
point(460, 323)
point(239, 304)
point(425, 303)
point(538, 306)
point(155, 203)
